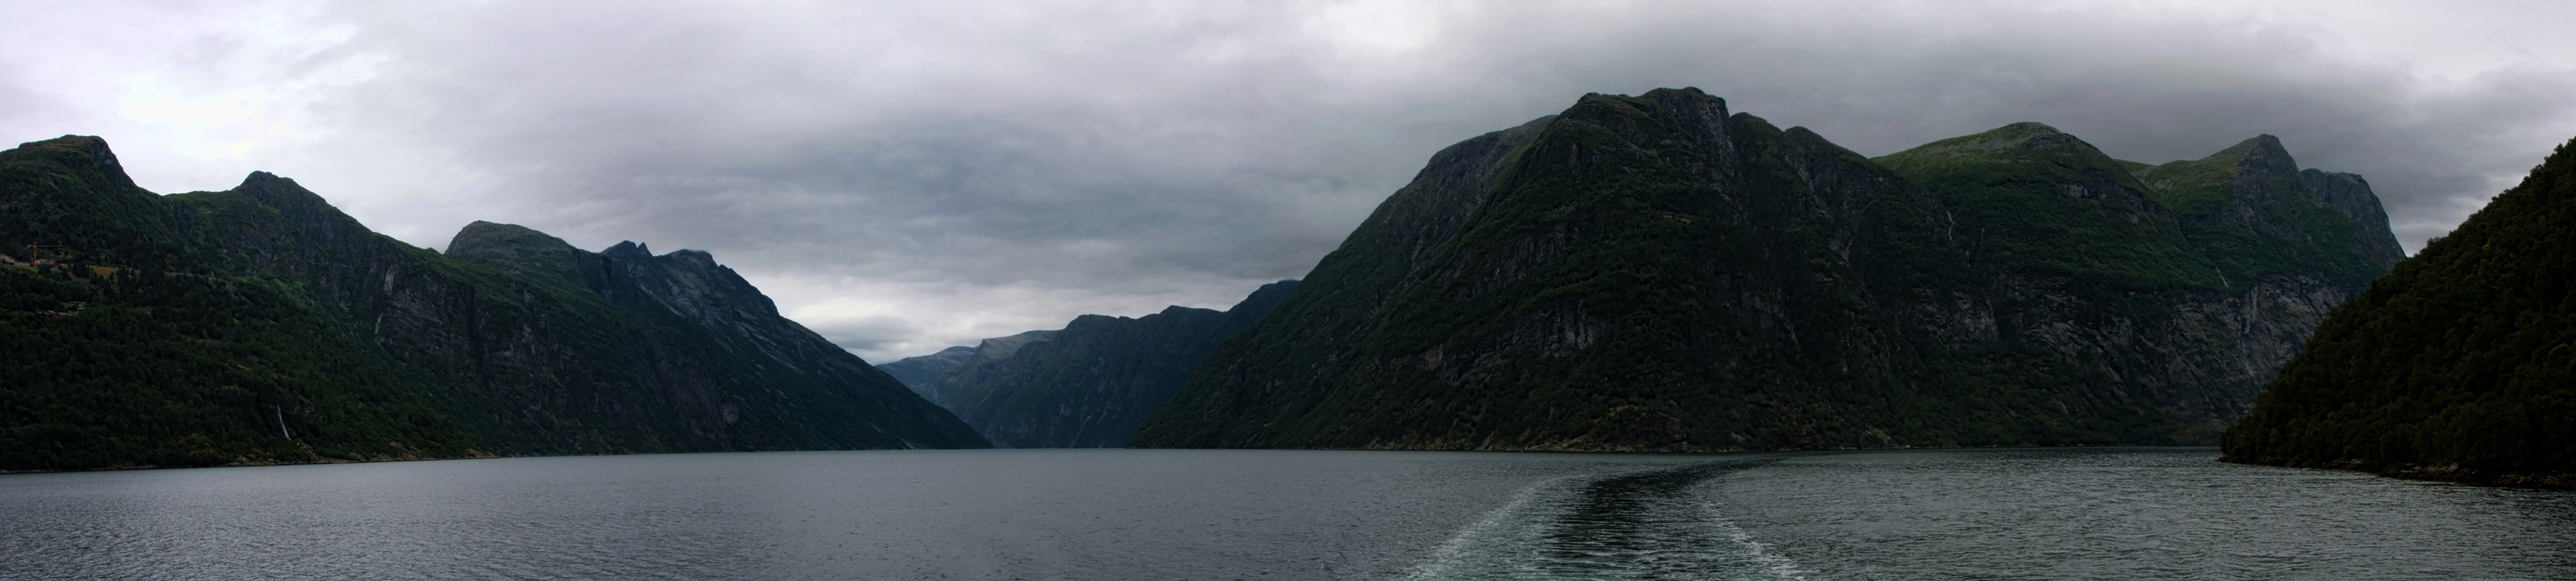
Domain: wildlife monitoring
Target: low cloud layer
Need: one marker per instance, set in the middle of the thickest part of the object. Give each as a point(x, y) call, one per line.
point(906, 176)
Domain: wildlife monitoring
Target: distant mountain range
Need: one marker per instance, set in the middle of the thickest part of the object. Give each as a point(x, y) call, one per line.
point(1086, 386)
point(260, 324)
point(1657, 273)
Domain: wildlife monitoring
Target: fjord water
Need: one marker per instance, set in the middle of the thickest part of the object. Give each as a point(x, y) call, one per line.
point(2153, 513)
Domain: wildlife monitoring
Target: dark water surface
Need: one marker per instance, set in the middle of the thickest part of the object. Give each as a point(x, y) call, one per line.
point(2138, 513)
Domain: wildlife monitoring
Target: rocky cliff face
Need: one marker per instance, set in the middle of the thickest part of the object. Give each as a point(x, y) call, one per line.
point(1655, 273)
point(527, 344)
point(1091, 384)
point(2210, 273)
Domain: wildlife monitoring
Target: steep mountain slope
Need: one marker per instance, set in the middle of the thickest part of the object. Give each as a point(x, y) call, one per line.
point(1091, 384)
point(963, 381)
point(2253, 213)
point(2140, 281)
point(1655, 273)
point(154, 364)
point(920, 373)
point(2460, 365)
point(701, 345)
point(521, 343)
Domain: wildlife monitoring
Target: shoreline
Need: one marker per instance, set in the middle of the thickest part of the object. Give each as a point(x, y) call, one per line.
point(2451, 473)
point(1509, 451)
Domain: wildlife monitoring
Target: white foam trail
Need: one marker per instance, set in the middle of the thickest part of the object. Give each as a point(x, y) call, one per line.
point(1780, 566)
point(1454, 550)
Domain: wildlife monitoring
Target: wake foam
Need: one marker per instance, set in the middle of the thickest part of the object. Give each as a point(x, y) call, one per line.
point(1652, 524)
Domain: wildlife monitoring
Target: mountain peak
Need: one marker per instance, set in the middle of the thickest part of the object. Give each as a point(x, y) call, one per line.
point(2016, 138)
point(2263, 156)
point(512, 247)
point(280, 192)
point(693, 257)
point(628, 249)
point(90, 146)
point(1004, 347)
point(262, 179)
point(84, 153)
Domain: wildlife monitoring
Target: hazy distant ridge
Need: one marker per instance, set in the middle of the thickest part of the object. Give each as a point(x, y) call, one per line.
point(1092, 383)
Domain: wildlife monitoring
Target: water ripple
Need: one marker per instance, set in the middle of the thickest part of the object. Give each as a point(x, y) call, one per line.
point(1225, 514)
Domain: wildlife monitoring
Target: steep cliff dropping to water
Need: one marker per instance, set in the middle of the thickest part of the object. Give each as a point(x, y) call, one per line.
point(260, 324)
point(1658, 273)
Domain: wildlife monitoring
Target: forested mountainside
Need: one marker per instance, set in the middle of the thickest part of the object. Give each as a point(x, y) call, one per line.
point(2460, 365)
point(260, 324)
point(1092, 383)
point(1658, 273)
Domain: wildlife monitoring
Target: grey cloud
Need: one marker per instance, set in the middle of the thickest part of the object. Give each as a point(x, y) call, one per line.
point(1013, 165)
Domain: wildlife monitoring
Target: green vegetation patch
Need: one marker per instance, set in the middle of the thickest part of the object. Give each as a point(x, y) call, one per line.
point(172, 369)
point(2460, 364)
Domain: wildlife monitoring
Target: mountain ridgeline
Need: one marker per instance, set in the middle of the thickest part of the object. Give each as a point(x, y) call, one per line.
point(2460, 365)
point(260, 324)
point(1655, 273)
point(1089, 385)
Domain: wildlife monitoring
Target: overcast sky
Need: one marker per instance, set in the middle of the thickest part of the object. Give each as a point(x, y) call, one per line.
point(903, 176)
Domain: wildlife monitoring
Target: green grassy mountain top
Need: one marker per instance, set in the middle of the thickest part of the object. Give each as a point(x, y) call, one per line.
point(516, 249)
point(2255, 214)
point(2203, 187)
point(2041, 201)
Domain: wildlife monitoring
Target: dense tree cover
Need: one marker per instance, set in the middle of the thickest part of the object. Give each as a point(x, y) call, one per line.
point(2460, 364)
point(209, 309)
point(126, 352)
point(171, 369)
point(70, 193)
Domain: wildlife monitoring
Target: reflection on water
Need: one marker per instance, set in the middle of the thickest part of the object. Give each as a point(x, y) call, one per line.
point(1121, 514)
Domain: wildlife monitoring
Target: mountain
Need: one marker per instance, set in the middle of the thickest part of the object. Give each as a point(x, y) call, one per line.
point(1655, 273)
point(945, 389)
point(921, 372)
point(1091, 384)
point(2190, 281)
point(2460, 365)
point(260, 324)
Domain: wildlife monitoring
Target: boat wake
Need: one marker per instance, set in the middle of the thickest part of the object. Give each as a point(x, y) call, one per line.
point(1664, 523)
